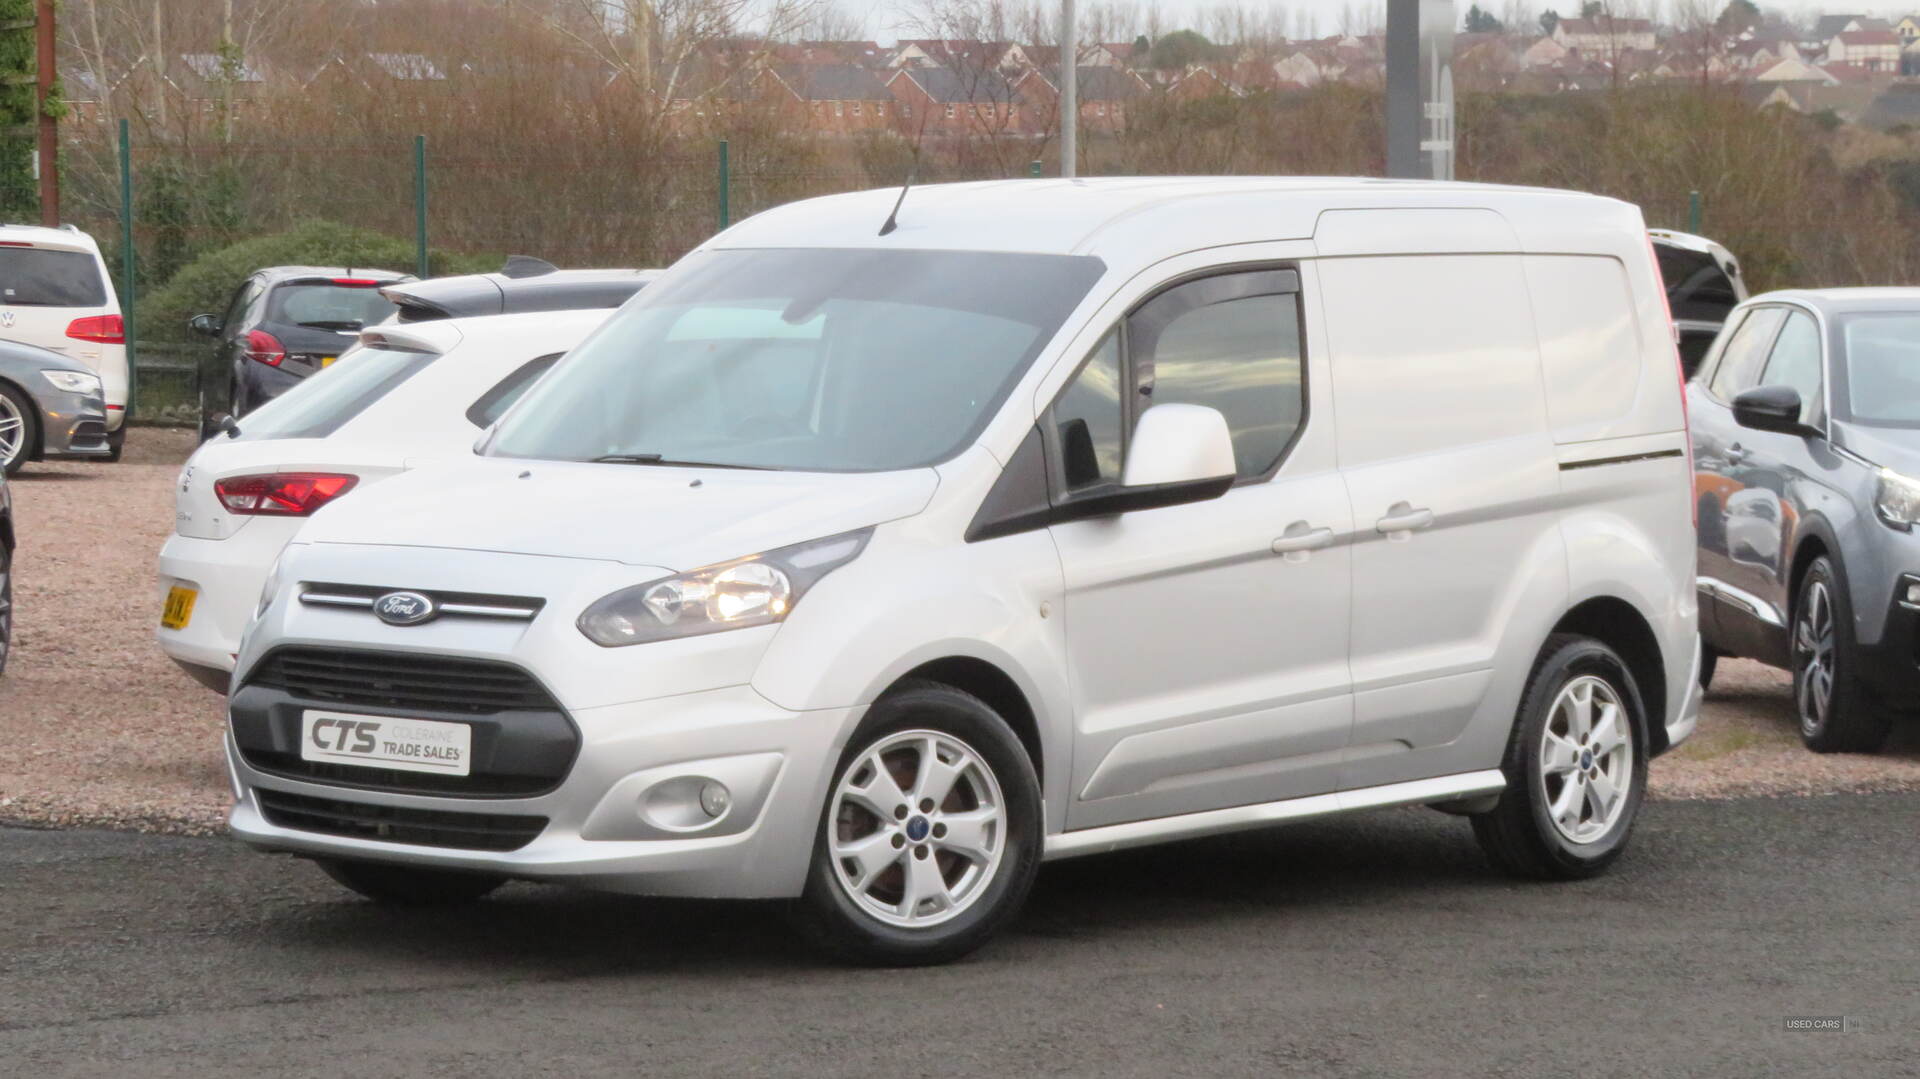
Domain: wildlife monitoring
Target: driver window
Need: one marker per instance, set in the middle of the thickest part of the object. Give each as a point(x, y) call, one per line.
point(1795, 362)
point(1740, 360)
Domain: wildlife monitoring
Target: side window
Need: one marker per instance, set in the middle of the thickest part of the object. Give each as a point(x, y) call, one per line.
point(1230, 343)
point(1088, 419)
point(1740, 360)
point(237, 307)
point(1795, 361)
point(1698, 290)
point(494, 403)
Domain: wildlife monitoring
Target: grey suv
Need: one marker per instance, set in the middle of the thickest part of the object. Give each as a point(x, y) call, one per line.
point(1806, 444)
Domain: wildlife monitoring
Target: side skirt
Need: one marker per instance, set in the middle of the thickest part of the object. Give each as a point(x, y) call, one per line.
point(1241, 818)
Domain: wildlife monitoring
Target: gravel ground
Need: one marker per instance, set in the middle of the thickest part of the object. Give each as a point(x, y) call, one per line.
point(100, 728)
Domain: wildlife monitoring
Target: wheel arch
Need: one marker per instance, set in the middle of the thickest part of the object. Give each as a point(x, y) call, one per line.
point(1620, 626)
point(987, 681)
point(37, 451)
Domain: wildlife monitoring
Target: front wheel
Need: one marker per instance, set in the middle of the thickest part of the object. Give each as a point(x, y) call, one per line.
point(409, 886)
point(1709, 662)
point(931, 834)
point(1575, 766)
point(19, 429)
point(1836, 713)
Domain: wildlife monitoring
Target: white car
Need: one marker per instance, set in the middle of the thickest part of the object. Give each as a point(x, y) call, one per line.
point(55, 292)
point(404, 395)
point(869, 560)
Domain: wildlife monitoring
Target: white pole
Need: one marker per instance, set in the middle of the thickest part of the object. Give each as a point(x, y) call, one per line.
point(1069, 91)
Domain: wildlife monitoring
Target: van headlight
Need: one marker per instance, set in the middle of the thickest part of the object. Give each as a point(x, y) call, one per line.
point(1898, 500)
point(751, 591)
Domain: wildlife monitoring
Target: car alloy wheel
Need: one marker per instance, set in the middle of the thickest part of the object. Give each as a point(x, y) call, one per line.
point(919, 827)
point(1813, 657)
point(14, 429)
point(1586, 760)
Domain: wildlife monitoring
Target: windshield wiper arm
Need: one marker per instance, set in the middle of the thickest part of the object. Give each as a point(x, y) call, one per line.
point(658, 459)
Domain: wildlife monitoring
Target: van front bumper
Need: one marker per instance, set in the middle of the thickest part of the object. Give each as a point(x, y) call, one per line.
point(625, 817)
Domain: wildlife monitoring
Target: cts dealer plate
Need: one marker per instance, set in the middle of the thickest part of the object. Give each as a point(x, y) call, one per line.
point(412, 745)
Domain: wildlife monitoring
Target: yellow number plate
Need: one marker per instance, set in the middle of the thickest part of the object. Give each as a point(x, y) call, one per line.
point(179, 609)
point(327, 361)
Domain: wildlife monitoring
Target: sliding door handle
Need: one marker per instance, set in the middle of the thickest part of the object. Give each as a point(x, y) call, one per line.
point(1403, 517)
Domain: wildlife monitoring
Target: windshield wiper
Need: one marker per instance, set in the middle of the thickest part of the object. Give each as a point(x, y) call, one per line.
point(657, 459)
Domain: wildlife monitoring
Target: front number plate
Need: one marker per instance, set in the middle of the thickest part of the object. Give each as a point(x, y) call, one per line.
point(179, 609)
point(411, 745)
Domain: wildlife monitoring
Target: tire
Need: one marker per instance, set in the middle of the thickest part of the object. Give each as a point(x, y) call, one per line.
point(117, 443)
point(6, 606)
point(1836, 713)
point(1709, 662)
point(409, 886)
point(1523, 834)
point(19, 429)
point(862, 911)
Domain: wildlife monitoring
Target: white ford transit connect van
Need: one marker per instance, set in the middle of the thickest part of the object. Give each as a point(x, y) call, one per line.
point(871, 560)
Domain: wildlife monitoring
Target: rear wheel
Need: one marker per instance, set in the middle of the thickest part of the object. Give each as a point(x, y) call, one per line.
point(19, 429)
point(1836, 713)
point(931, 834)
point(1575, 767)
point(409, 886)
point(116, 443)
point(1709, 662)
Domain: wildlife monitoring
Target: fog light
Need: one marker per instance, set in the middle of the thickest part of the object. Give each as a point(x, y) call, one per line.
point(714, 798)
point(1913, 593)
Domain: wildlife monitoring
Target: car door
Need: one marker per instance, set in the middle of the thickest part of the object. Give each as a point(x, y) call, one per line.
point(1448, 458)
point(231, 344)
point(1206, 642)
point(1777, 473)
point(1737, 489)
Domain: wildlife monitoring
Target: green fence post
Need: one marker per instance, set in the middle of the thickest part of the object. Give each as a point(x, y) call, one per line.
point(726, 183)
point(1033, 169)
point(127, 263)
point(420, 204)
point(1693, 212)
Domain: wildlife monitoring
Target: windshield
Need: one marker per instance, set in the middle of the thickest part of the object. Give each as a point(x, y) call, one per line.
point(1883, 368)
point(322, 402)
point(807, 359)
point(330, 306)
point(44, 278)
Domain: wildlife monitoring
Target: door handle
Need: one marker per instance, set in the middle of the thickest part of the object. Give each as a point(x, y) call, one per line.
point(1300, 537)
point(1402, 517)
point(1736, 453)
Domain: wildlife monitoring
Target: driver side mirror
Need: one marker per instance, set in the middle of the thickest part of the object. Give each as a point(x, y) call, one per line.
point(1771, 408)
point(206, 325)
point(1179, 454)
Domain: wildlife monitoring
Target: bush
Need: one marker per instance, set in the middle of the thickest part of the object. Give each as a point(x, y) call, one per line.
point(207, 283)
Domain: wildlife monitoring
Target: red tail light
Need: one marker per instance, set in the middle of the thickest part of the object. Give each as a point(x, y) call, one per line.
point(1686, 418)
point(263, 347)
point(354, 282)
point(281, 494)
point(106, 329)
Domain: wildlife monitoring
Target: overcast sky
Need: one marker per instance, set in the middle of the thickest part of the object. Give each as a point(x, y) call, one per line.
point(890, 19)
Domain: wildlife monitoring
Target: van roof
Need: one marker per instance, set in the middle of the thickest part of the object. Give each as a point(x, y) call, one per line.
point(1146, 217)
point(64, 238)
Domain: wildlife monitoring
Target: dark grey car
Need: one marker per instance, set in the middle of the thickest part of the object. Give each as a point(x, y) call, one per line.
point(1806, 443)
point(50, 406)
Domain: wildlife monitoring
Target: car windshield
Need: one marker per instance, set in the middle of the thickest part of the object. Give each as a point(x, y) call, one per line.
point(41, 278)
point(1883, 368)
point(321, 403)
point(836, 360)
point(333, 306)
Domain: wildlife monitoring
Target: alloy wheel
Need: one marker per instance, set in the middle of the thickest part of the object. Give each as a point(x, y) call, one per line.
point(918, 828)
point(1813, 656)
point(1586, 760)
point(13, 431)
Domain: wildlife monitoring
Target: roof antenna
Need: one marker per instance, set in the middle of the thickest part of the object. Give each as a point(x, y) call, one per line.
point(904, 188)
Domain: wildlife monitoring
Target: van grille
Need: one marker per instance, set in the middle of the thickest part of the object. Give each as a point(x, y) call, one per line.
point(402, 680)
point(397, 824)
